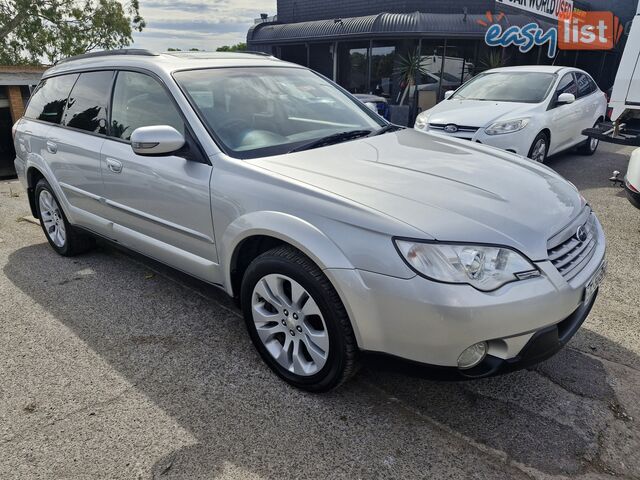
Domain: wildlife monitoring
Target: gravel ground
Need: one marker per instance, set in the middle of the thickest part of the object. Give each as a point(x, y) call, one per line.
point(113, 366)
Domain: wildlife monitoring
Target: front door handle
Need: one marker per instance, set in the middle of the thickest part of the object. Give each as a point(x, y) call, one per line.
point(52, 147)
point(114, 165)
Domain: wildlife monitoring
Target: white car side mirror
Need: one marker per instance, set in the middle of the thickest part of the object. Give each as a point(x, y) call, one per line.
point(448, 94)
point(156, 140)
point(372, 106)
point(566, 98)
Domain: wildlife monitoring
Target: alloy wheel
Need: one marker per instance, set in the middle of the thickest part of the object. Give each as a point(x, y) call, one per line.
point(593, 144)
point(290, 324)
point(539, 152)
point(51, 217)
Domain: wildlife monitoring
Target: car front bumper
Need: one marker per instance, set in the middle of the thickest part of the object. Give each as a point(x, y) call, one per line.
point(433, 323)
point(518, 142)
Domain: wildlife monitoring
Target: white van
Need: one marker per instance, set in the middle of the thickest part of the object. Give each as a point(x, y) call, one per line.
point(625, 112)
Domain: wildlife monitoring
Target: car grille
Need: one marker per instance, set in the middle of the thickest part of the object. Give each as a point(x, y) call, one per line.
point(464, 131)
point(570, 255)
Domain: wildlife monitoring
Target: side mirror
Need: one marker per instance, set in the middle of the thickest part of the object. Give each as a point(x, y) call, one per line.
point(372, 106)
point(566, 98)
point(156, 140)
point(448, 94)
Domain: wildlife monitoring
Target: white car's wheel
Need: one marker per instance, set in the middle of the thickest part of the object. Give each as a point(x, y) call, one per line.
point(297, 321)
point(539, 148)
point(590, 145)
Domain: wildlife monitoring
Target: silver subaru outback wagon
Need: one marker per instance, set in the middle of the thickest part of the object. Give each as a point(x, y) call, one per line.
point(336, 232)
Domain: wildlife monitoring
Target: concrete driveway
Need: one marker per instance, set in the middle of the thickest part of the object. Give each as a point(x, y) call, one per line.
point(112, 366)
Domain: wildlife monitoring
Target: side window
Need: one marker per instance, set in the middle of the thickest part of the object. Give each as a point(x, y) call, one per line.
point(567, 85)
point(50, 98)
point(88, 102)
point(140, 101)
point(586, 86)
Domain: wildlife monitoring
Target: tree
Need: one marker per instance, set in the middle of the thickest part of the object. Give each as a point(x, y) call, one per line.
point(240, 47)
point(48, 30)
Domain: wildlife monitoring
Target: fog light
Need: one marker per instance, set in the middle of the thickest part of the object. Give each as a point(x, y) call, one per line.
point(472, 356)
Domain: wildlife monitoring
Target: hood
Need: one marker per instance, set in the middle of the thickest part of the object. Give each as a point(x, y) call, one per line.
point(452, 190)
point(477, 112)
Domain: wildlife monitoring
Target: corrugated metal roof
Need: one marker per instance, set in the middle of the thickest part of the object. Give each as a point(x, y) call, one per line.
point(421, 24)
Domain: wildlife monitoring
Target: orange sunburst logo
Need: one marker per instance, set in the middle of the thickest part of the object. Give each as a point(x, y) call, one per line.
point(491, 19)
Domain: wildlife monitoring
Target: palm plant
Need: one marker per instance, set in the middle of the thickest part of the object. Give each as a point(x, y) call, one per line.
point(494, 59)
point(410, 67)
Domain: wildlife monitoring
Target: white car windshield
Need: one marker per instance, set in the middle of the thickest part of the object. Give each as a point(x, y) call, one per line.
point(521, 87)
point(255, 112)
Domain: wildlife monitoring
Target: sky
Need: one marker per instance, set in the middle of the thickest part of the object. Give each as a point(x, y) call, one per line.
point(202, 24)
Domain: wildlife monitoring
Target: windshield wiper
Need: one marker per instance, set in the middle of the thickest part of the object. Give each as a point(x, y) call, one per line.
point(387, 128)
point(332, 139)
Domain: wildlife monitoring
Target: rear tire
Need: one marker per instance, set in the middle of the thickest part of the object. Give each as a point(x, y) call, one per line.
point(589, 146)
point(539, 148)
point(297, 321)
point(62, 237)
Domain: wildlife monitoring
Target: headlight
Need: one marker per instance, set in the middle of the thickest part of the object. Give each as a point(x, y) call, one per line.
point(509, 126)
point(485, 268)
point(422, 121)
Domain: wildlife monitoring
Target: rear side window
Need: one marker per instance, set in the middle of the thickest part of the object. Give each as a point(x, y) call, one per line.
point(88, 102)
point(50, 98)
point(586, 85)
point(141, 101)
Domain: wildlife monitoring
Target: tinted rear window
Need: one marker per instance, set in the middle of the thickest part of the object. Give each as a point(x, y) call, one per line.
point(88, 102)
point(49, 100)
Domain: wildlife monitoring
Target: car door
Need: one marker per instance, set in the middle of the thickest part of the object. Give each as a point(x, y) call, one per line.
point(159, 205)
point(74, 147)
point(562, 116)
point(589, 100)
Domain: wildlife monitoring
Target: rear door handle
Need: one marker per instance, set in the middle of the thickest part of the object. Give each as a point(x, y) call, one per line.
point(114, 165)
point(52, 147)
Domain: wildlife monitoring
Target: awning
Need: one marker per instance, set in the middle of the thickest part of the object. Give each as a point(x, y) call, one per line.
point(389, 25)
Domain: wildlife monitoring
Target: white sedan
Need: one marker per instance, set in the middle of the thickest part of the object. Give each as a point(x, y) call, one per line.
point(534, 111)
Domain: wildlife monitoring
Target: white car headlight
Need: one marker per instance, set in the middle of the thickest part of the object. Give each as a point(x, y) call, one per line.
point(485, 268)
point(509, 126)
point(422, 121)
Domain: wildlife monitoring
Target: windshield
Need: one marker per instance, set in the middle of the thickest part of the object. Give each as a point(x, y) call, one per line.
point(521, 87)
point(264, 111)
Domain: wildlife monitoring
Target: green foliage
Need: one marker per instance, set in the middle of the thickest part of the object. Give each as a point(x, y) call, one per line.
point(240, 47)
point(410, 66)
point(48, 30)
point(494, 59)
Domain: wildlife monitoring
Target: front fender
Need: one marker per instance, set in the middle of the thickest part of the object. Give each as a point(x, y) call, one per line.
point(301, 234)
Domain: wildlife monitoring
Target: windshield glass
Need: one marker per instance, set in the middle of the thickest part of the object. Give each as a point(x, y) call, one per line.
point(264, 111)
point(522, 87)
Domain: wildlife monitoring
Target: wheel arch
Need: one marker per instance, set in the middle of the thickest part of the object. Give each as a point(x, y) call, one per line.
point(258, 232)
point(34, 175)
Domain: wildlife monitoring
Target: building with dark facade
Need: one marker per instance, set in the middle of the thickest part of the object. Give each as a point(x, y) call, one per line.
point(367, 46)
point(16, 84)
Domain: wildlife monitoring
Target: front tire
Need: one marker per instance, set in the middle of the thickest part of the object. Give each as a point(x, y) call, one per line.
point(61, 235)
point(539, 148)
point(297, 321)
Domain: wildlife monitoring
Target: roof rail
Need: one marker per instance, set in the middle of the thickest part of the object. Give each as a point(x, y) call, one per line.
point(106, 53)
point(254, 52)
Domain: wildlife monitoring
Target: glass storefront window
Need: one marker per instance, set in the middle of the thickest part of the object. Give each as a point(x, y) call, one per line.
point(353, 66)
point(321, 58)
point(382, 62)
